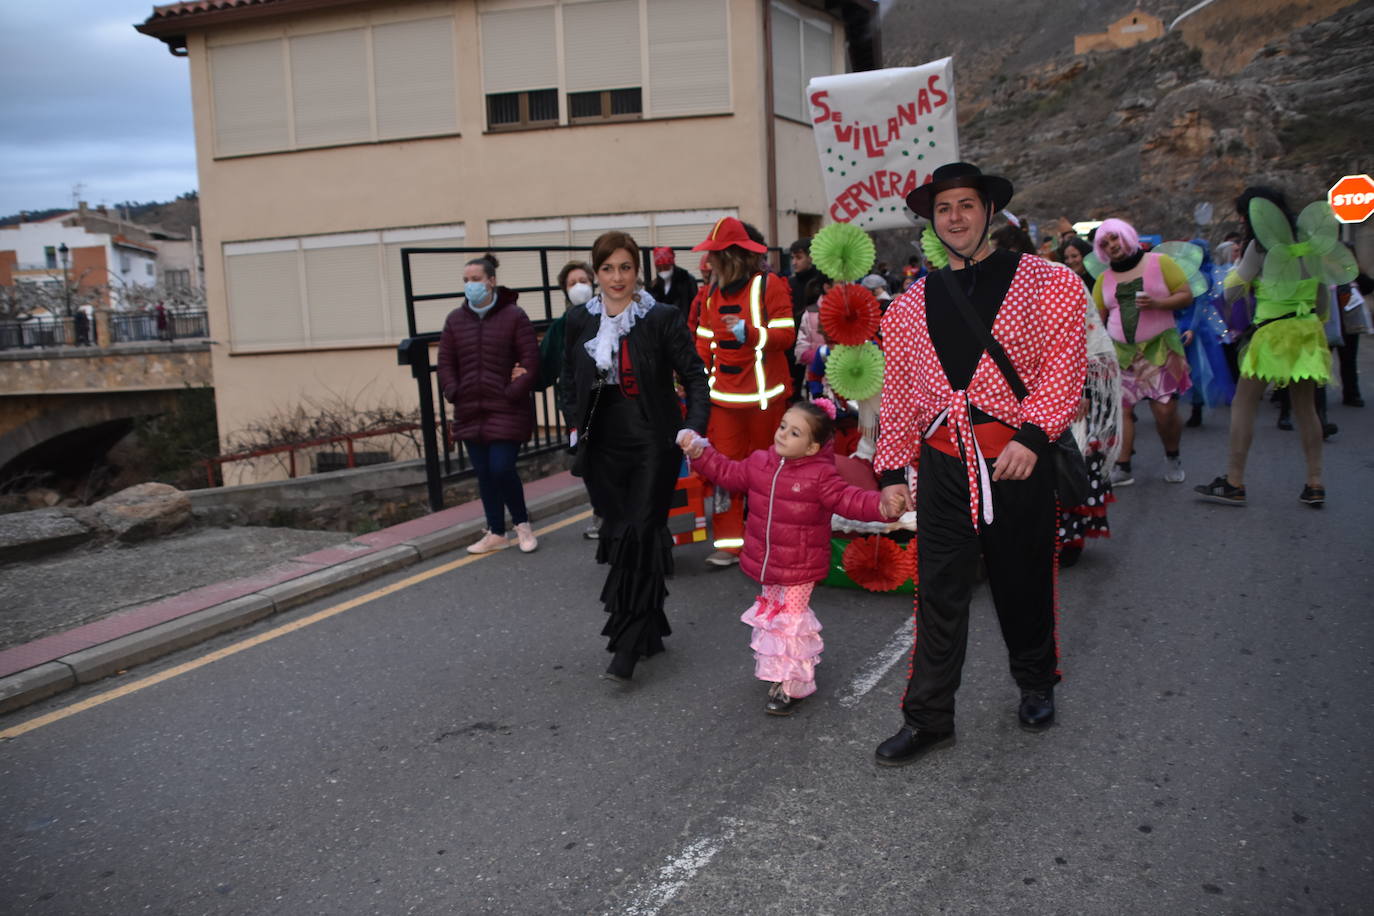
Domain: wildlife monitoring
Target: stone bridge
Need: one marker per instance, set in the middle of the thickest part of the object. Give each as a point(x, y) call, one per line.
point(48, 393)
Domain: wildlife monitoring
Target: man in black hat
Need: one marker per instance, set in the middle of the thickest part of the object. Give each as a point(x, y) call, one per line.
point(984, 471)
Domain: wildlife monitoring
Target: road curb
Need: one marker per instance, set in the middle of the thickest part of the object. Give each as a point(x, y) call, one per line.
point(29, 686)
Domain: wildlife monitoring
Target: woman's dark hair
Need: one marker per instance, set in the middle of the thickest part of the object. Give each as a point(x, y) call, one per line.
point(488, 263)
point(822, 427)
point(608, 243)
point(569, 268)
point(1274, 196)
point(1014, 238)
point(815, 288)
point(1076, 244)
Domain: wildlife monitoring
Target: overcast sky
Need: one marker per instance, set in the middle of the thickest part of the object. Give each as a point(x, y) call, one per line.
point(87, 99)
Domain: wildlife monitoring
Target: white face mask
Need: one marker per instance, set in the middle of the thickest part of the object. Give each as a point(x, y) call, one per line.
point(580, 293)
point(665, 274)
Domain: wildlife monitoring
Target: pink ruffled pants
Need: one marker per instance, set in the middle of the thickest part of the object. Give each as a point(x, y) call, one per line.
point(787, 638)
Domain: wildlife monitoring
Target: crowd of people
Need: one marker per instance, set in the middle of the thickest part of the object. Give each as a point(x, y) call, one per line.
point(1011, 370)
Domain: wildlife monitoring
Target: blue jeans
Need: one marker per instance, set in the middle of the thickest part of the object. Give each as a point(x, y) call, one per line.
point(498, 483)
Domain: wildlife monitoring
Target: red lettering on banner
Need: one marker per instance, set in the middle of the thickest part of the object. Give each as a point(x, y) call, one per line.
point(906, 114)
point(874, 139)
point(863, 195)
point(818, 101)
point(941, 98)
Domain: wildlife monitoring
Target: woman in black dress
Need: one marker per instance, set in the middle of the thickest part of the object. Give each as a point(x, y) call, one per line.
point(622, 352)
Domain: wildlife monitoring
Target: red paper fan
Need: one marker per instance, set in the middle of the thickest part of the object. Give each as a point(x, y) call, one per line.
point(877, 563)
point(849, 314)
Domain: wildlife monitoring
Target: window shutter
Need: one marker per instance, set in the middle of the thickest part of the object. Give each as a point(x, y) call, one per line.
point(249, 89)
point(689, 57)
point(787, 65)
point(413, 65)
point(329, 88)
point(601, 45)
point(817, 53)
point(519, 50)
point(344, 292)
point(264, 300)
point(429, 274)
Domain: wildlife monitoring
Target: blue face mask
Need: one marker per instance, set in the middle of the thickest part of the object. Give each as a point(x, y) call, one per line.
point(476, 292)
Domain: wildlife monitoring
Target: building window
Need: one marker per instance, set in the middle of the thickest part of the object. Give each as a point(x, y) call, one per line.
point(802, 50)
point(511, 110)
point(593, 52)
point(148, 268)
point(605, 105)
point(50, 257)
point(176, 280)
point(124, 265)
point(341, 290)
point(382, 82)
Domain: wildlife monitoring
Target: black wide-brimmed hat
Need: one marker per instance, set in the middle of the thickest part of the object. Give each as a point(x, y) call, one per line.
point(959, 175)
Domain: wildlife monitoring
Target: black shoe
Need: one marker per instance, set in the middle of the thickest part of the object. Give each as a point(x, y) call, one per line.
point(1313, 496)
point(1329, 431)
point(1036, 711)
point(779, 703)
point(910, 745)
point(622, 667)
point(1221, 491)
point(1195, 418)
point(1285, 423)
point(1068, 555)
point(1356, 401)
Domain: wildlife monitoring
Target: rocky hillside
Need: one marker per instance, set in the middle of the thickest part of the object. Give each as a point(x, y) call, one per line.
point(1244, 92)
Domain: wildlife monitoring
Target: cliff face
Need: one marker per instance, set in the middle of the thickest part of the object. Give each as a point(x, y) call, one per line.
point(1244, 92)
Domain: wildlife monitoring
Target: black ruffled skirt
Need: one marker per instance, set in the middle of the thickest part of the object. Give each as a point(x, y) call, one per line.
point(631, 477)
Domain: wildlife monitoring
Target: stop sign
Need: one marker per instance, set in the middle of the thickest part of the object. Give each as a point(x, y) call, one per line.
point(1352, 198)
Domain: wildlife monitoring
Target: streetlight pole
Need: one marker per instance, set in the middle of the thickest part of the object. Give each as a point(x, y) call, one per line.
point(62, 252)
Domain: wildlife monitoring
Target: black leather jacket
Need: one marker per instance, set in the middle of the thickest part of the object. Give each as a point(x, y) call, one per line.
point(660, 347)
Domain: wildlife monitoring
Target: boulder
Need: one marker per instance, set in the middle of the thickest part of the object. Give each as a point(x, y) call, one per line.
point(25, 535)
point(142, 511)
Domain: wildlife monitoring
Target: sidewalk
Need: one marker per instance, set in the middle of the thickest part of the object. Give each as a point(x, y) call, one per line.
point(43, 667)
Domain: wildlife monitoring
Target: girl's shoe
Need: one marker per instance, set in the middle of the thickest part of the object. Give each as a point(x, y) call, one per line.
point(1194, 418)
point(524, 534)
point(593, 531)
point(779, 703)
point(1313, 496)
point(1221, 491)
point(489, 543)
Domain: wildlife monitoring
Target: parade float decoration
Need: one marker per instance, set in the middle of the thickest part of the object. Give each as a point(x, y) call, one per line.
point(878, 564)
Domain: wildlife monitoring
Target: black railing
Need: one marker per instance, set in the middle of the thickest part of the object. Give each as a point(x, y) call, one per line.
point(47, 331)
point(129, 327)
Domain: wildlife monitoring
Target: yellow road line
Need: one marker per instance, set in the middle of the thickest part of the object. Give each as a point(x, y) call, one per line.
point(284, 629)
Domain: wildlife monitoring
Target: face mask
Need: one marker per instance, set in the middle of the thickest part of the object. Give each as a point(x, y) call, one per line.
point(580, 293)
point(666, 274)
point(476, 292)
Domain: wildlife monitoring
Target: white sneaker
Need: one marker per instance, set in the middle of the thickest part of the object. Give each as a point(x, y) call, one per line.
point(1174, 472)
point(722, 558)
point(525, 535)
point(1121, 477)
point(489, 542)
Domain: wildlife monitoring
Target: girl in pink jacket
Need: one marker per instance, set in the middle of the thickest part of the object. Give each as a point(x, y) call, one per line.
point(793, 489)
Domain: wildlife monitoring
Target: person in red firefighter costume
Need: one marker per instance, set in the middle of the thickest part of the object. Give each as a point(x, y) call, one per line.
point(985, 468)
point(744, 329)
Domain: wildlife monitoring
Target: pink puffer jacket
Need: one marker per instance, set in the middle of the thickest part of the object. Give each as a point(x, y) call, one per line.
point(787, 534)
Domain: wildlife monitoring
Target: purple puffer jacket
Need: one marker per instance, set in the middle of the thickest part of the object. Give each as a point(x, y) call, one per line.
point(476, 356)
point(787, 534)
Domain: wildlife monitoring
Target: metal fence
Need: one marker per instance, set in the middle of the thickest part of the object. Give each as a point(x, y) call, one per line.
point(125, 327)
point(128, 327)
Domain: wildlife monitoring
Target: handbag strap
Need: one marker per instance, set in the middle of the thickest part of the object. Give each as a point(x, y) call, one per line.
point(983, 333)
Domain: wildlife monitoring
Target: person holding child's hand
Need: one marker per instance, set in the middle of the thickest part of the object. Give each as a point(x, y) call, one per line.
point(793, 489)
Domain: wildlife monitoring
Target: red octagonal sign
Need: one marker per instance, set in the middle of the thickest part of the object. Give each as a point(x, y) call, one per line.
point(1352, 198)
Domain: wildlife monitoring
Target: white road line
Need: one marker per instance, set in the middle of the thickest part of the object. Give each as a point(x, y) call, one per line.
point(897, 648)
point(675, 874)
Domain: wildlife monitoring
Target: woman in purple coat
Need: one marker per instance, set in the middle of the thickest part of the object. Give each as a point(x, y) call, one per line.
point(488, 362)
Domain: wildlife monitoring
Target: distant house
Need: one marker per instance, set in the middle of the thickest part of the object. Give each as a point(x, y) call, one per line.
point(332, 133)
point(102, 251)
point(1133, 29)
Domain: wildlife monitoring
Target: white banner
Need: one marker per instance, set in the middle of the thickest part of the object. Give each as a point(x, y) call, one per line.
point(880, 134)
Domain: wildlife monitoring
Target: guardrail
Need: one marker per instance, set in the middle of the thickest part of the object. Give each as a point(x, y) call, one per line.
point(125, 327)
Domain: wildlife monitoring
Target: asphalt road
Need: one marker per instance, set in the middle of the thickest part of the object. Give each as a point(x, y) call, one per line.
point(447, 747)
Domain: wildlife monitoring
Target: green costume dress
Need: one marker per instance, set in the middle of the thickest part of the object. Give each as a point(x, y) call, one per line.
point(1289, 342)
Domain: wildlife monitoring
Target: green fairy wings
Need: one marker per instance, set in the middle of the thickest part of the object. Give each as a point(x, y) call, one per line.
point(1186, 255)
point(1317, 248)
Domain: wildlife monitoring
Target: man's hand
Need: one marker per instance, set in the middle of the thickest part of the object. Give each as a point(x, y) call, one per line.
point(1015, 463)
point(895, 501)
point(517, 371)
point(1143, 301)
point(689, 443)
point(1187, 337)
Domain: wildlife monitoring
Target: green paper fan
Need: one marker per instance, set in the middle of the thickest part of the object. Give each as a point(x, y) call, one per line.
point(843, 252)
point(1189, 259)
point(1093, 264)
point(934, 249)
point(856, 373)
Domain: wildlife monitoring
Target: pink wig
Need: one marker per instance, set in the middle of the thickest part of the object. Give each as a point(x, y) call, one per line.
point(1129, 237)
